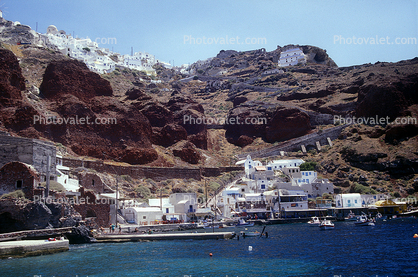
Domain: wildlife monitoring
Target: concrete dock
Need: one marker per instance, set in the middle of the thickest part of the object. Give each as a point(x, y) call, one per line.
point(24, 248)
point(167, 236)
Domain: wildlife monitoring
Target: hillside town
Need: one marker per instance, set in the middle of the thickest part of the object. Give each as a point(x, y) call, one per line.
point(98, 59)
point(279, 189)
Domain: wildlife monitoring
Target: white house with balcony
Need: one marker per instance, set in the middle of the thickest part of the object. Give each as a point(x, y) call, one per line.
point(291, 57)
point(279, 164)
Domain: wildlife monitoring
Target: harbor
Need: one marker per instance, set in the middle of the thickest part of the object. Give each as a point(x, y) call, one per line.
point(290, 250)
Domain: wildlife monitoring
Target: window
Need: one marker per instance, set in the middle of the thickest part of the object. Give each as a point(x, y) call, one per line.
point(144, 217)
point(263, 186)
point(310, 173)
point(19, 184)
point(92, 183)
point(167, 210)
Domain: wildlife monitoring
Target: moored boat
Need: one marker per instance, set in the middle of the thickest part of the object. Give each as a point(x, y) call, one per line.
point(314, 222)
point(351, 217)
point(250, 234)
point(326, 225)
point(243, 223)
point(363, 220)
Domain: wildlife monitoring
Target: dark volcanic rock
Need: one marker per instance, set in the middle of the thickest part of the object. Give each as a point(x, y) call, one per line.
point(79, 235)
point(169, 134)
point(396, 133)
point(239, 100)
point(73, 77)
point(189, 114)
point(387, 96)
point(135, 93)
point(11, 79)
point(258, 119)
point(186, 151)
point(244, 141)
point(287, 123)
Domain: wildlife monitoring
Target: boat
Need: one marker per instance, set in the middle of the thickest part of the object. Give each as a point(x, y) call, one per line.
point(250, 234)
point(210, 226)
point(243, 223)
point(351, 217)
point(314, 222)
point(363, 220)
point(326, 225)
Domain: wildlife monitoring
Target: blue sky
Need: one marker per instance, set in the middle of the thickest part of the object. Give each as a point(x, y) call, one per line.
point(186, 31)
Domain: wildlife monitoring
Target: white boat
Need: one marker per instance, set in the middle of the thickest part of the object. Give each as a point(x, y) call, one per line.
point(210, 226)
point(351, 217)
point(250, 234)
point(243, 223)
point(314, 222)
point(326, 225)
point(364, 221)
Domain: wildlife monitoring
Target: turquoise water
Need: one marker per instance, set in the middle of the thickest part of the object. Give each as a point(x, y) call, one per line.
point(387, 249)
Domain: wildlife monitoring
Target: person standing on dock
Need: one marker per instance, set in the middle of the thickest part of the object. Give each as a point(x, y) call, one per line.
point(120, 229)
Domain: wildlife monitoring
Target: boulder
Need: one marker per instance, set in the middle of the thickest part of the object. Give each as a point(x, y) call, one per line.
point(73, 77)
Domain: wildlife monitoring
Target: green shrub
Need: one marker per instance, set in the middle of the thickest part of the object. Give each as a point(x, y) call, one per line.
point(362, 189)
point(127, 178)
point(54, 185)
point(143, 191)
point(14, 194)
point(213, 186)
point(308, 166)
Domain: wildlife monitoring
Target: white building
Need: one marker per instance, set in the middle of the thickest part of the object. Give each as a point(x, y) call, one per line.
point(283, 200)
point(348, 200)
point(371, 199)
point(142, 215)
point(96, 58)
point(63, 176)
point(164, 203)
point(279, 164)
point(291, 57)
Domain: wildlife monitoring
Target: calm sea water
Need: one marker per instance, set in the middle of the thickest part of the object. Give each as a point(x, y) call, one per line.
point(387, 249)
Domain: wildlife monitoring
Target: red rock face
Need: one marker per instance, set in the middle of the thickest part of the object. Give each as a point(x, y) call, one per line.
point(387, 97)
point(263, 120)
point(73, 77)
point(186, 151)
point(11, 79)
point(98, 125)
point(186, 113)
point(287, 123)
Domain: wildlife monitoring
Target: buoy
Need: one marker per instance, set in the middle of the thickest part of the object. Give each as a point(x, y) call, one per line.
point(416, 236)
point(250, 248)
point(210, 254)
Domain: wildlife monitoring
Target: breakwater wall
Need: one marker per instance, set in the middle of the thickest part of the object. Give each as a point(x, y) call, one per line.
point(35, 233)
